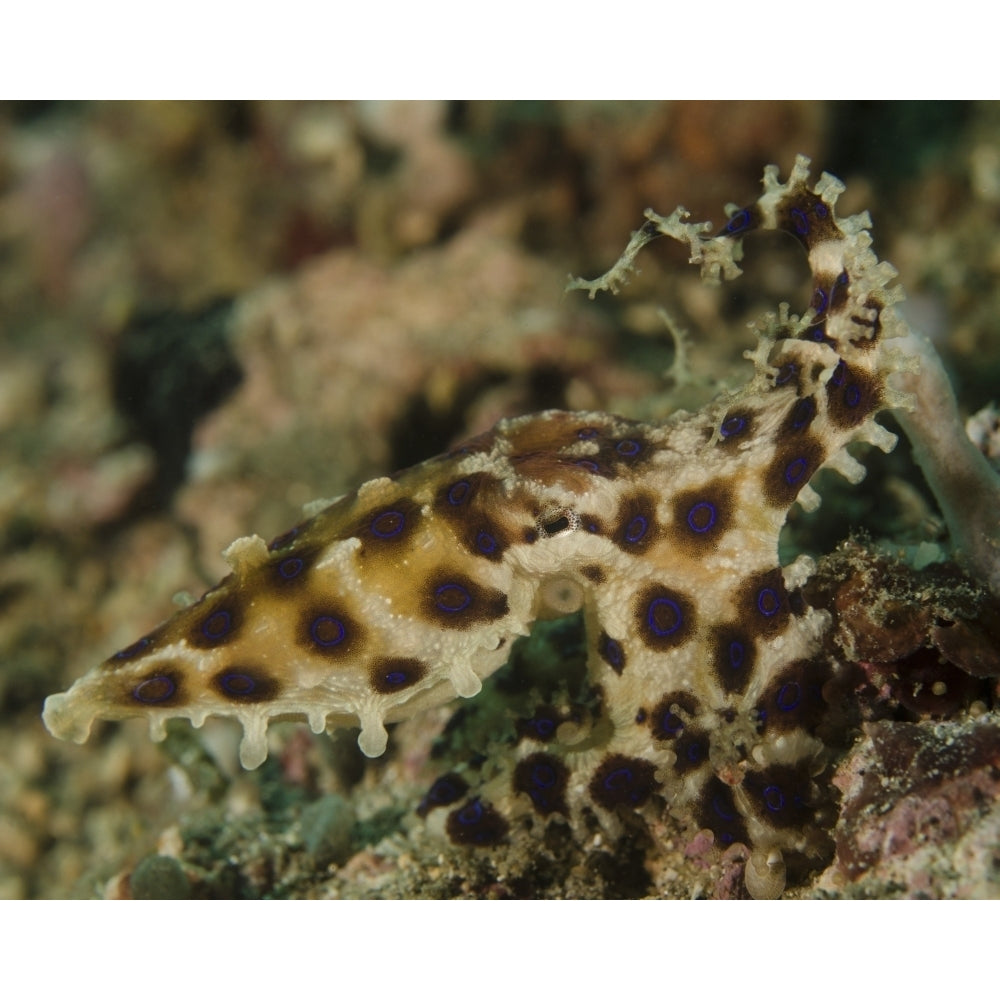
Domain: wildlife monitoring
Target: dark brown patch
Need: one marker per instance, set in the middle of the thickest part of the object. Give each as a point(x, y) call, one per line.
point(734, 653)
point(611, 652)
point(615, 455)
point(476, 824)
point(672, 715)
point(542, 777)
point(716, 811)
point(289, 570)
point(386, 528)
point(485, 538)
point(456, 601)
point(326, 630)
point(789, 374)
point(593, 572)
point(808, 218)
point(868, 341)
point(162, 687)
point(216, 621)
point(838, 292)
point(735, 427)
point(664, 618)
point(635, 527)
point(622, 781)
point(794, 698)
point(852, 395)
point(389, 674)
point(762, 604)
point(791, 468)
point(701, 516)
point(246, 684)
point(445, 791)
point(800, 415)
point(542, 726)
point(782, 794)
point(691, 749)
point(464, 504)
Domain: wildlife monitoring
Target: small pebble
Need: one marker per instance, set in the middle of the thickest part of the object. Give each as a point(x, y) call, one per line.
point(159, 877)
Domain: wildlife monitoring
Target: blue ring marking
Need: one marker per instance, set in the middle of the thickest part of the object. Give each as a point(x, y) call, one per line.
point(839, 373)
point(670, 723)
point(694, 517)
point(800, 220)
point(733, 425)
point(237, 684)
point(289, 569)
point(457, 492)
point(620, 780)
point(169, 687)
point(789, 697)
point(737, 654)
point(486, 543)
point(738, 223)
point(852, 395)
point(586, 463)
point(471, 814)
point(544, 728)
point(786, 373)
point(651, 616)
point(820, 210)
point(773, 798)
point(543, 776)
point(132, 651)
point(593, 527)
point(444, 598)
point(695, 752)
point(636, 529)
point(393, 523)
point(586, 433)
point(318, 628)
point(628, 448)
point(217, 624)
point(395, 678)
point(817, 334)
point(768, 601)
point(795, 470)
point(820, 301)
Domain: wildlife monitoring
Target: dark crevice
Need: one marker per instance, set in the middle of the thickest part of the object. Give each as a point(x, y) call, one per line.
point(169, 370)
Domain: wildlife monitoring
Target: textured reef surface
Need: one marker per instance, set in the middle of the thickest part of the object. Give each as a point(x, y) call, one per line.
point(575, 655)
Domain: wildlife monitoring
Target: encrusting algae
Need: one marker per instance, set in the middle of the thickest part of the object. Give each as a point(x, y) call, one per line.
point(712, 689)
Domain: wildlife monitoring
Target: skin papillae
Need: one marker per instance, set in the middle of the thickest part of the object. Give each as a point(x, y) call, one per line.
point(410, 591)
